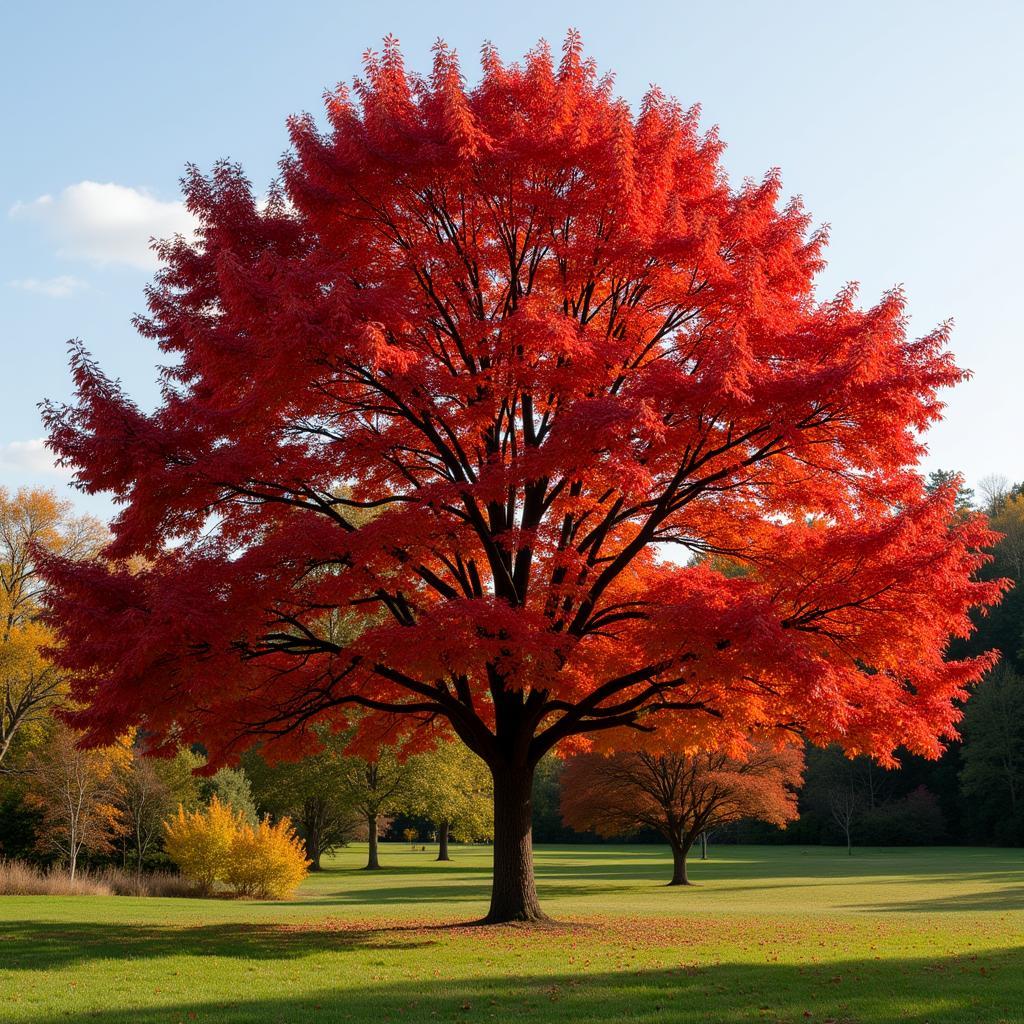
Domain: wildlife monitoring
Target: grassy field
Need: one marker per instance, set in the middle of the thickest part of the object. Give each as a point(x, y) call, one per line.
point(767, 934)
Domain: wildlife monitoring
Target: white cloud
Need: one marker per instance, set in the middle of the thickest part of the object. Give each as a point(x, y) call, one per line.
point(52, 287)
point(106, 223)
point(29, 457)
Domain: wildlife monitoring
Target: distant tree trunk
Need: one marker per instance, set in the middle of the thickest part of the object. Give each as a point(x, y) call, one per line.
point(844, 812)
point(513, 889)
point(703, 846)
point(1011, 781)
point(442, 841)
point(373, 861)
point(311, 828)
point(312, 842)
point(680, 850)
point(140, 852)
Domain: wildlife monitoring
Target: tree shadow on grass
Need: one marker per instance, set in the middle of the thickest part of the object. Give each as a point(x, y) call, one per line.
point(450, 892)
point(432, 867)
point(941, 990)
point(1008, 898)
point(46, 946)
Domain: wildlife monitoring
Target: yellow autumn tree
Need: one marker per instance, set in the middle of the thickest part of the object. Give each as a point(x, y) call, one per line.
point(1009, 552)
point(451, 787)
point(32, 519)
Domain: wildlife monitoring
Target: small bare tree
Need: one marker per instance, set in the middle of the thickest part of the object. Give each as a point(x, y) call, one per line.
point(995, 489)
point(149, 791)
point(845, 803)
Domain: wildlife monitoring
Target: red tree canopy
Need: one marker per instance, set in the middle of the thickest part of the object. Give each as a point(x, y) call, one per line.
point(436, 413)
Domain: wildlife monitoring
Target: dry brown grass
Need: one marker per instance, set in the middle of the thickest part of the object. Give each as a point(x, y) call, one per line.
point(20, 879)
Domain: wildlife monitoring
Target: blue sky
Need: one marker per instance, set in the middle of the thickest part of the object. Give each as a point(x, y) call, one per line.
point(898, 122)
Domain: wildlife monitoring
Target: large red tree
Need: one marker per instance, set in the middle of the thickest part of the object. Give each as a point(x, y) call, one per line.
point(436, 412)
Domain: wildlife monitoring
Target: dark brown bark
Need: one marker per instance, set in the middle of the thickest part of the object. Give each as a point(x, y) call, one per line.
point(373, 860)
point(442, 841)
point(313, 851)
point(312, 815)
point(680, 850)
point(513, 889)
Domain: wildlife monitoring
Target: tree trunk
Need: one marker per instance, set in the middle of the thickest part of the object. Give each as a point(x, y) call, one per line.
point(312, 840)
point(679, 853)
point(442, 841)
point(140, 852)
point(313, 852)
point(311, 820)
point(703, 846)
point(513, 889)
point(373, 861)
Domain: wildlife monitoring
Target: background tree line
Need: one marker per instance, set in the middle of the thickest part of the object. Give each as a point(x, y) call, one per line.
point(109, 804)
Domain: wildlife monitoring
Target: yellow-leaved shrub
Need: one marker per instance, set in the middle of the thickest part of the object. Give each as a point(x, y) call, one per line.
point(216, 844)
point(200, 841)
point(267, 861)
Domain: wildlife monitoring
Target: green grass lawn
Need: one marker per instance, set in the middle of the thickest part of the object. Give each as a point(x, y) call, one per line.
point(766, 934)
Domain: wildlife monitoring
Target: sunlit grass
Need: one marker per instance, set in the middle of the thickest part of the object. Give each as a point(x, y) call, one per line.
point(767, 933)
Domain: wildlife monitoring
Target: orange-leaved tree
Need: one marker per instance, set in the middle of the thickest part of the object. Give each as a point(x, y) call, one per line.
point(542, 338)
point(77, 792)
point(680, 795)
point(32, 520)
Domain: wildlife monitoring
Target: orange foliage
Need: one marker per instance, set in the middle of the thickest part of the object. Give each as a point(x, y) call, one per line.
point(267, 861)
point(680, 795)
point(77, 792)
